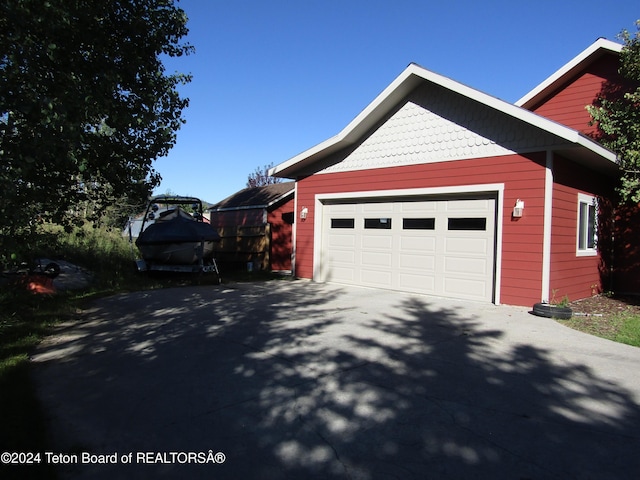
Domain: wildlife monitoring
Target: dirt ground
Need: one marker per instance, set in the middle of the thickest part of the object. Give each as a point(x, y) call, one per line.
point(606, 306)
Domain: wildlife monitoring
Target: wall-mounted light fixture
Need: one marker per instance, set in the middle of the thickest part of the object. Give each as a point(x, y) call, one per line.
point(303, 213)
point(518, 208)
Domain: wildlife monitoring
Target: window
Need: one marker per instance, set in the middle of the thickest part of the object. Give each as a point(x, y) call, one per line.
point(342, 223)
point(467, 223)
point(377, 223)
point(587, 225)
point(418, 223)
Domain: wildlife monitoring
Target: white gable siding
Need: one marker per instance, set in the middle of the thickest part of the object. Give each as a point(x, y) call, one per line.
point(436, 125)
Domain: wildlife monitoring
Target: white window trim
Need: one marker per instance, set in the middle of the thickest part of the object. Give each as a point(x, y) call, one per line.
point(586, 252)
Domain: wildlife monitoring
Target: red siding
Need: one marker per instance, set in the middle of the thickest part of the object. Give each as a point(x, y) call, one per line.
point(571, 275)
point(567, 104)
point(523, 177)
point(281, 232)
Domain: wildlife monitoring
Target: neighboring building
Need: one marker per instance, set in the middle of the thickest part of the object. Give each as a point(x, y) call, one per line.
point(256, 227)
point(441, 189)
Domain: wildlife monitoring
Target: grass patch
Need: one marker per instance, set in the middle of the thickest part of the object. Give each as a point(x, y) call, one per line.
point(620, 327)
point(24, 320)
point(629, 331)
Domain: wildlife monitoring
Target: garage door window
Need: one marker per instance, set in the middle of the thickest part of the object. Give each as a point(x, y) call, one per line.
point(342, 223)
point(419, 223)
point(377, 223)
point(475, 224)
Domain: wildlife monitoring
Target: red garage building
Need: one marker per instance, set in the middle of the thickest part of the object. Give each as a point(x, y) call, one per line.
point(441, 189)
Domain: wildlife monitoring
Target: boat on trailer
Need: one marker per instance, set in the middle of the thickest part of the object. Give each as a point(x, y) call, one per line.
point(174, 236)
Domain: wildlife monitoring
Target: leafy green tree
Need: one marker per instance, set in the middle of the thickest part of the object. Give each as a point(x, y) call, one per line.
point(86, 105)
point(617, 114)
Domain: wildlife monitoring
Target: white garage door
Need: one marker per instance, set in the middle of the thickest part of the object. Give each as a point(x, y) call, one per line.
point(439, 247)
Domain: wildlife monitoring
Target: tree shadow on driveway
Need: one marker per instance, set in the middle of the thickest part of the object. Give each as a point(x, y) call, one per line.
point(303, 380)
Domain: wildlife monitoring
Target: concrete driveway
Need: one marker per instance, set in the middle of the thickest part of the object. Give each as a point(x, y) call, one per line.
point(292, 379)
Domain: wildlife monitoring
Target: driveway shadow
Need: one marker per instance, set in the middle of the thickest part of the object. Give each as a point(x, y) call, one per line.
point(301, 380)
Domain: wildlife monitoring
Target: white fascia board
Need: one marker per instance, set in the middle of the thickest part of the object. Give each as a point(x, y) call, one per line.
point(568, 134)
point(412, 76)
point(569, 69)
point(281, 197)
point(242, 207)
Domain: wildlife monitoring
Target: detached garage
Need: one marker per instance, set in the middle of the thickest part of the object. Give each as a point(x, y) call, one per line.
point(440, 189)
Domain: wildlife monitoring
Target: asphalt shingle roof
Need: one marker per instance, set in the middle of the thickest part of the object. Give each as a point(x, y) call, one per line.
point(255, 196)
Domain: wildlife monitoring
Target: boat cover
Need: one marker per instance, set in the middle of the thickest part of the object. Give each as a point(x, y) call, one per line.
point(177, 229)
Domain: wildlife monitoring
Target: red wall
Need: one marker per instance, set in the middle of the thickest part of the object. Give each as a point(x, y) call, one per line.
point(571, 275)
point(281, 235)
point(567, 104)
point(523, 177)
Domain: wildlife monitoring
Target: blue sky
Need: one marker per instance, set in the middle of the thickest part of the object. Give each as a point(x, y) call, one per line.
point(274, 78)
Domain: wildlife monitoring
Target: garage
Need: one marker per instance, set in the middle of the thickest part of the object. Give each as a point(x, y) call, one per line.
point(436, 246)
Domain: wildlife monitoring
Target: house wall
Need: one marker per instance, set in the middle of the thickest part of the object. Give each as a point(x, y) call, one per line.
point(281, 220)
point(572, 275)
point(567, 104)
point(522, 176)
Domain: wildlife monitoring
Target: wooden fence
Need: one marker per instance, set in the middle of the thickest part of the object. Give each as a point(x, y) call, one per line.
point(241, 245)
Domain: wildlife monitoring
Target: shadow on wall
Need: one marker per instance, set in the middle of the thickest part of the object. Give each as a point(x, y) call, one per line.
point(291, 380)
point(620, 223)
point(618, 227)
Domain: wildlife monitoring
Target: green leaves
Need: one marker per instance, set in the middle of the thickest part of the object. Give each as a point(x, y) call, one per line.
point(85, 105)
point(617, 113)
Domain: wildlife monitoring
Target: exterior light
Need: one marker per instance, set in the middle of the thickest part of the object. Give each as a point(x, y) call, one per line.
point(518, 208)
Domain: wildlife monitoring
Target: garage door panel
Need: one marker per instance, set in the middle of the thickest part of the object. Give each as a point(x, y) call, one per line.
point(468, 246)
point(422, 244)
point(413, 207)
point(377, 242)
point(376, 208)
point(376, 259)
point(467, 266)
point(465, 288)
point(469, 206)
point(339, 241)
point(376, 278)
point(337, 257)
point(343, 209)
point(424, 263)
point(418, 283)
point(340, 274)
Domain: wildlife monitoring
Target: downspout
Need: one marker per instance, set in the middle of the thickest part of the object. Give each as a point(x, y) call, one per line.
point(546, 232)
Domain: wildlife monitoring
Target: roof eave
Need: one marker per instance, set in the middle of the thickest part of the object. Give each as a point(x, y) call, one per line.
point(408, 80)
